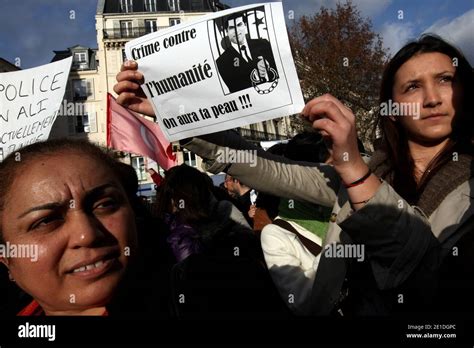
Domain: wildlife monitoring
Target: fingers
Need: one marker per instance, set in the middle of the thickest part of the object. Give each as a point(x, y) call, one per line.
point(129, 65)
point(129, 79)
point(344, 110)
point(125, 98)
point(326, 127)
point(326, 109)
point(130, 75)
point(127, 86)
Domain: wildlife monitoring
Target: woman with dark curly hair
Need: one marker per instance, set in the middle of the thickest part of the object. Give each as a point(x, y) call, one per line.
point(220, 271)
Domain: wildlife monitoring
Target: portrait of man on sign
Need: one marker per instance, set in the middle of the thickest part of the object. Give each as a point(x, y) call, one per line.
point(245, 58)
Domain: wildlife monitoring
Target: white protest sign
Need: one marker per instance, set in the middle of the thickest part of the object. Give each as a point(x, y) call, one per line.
point(29, 103)
point(224, 70)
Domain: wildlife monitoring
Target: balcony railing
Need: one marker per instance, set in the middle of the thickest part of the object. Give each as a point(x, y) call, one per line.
point(255, 135)
point(126, 33)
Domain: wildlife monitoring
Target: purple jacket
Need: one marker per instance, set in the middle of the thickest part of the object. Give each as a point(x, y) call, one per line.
point(183, 239)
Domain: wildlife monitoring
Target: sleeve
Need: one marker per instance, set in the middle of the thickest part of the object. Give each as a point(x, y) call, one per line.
point(311, 182)
point(397, 237)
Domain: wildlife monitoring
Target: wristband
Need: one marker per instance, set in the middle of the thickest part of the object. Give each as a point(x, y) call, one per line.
point(361, 202)
point(359, 181)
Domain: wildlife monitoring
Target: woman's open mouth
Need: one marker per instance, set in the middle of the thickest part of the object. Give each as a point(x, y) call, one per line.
point(96, 268)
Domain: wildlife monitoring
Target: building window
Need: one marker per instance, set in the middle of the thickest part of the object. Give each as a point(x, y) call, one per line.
point(124, 55)
point(173, 5)
point(80, 57)
point(82, 89)
point(126, 28)
point(126, 5)
point(264, 124)
point(189, 158)
point(196, 5)
point(150, 5)
point(150, 26)
point(82, 124)
point(138, 163)
point(174, 21)
point(253, 131)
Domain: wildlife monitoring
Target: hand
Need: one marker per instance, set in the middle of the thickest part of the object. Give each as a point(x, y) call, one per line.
point(336, 123)
point(130, 94)
point(262, 68)
point(252, 210)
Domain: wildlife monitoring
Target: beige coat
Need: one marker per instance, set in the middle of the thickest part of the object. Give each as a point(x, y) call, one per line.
point(292, 266)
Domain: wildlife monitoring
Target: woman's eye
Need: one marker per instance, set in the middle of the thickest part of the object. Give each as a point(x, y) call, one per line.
point(446, 78)
point(47, 221)
point(107, 204)
point(411, 87)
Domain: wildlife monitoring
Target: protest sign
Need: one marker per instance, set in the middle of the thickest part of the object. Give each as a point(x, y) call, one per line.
point(224, 70)
point(29, 103)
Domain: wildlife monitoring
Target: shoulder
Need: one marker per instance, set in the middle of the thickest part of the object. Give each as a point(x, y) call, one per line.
point(226, 210)
point(456, 209)
point(272, 232)
point(226, 55)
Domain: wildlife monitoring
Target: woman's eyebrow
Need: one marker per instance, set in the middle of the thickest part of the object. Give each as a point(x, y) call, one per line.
point(445, 72)
point(47, 206)
point(410, 82)
point(90, 195)
point(99, 190)
point(436, 74)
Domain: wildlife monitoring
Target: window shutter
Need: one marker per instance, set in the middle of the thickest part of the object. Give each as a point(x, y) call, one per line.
point(93, 122)
point(90, 88)
point(68, 94)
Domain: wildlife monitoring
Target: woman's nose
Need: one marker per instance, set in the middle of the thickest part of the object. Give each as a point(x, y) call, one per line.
point(432, 96)
point(84, 230)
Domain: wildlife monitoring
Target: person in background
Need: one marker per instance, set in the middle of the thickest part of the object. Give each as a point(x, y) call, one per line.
point(242, 195)
point(219, 263)
point(155, 176)
point(292, 242)
point(266, 206)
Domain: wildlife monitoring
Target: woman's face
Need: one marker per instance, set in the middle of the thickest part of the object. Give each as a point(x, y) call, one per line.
point(431, 94)
point(76, 212)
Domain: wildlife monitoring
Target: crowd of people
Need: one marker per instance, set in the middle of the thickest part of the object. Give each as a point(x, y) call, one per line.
point(344, 233)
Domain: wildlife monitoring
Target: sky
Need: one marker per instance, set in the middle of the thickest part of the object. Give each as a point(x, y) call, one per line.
point(31, 29)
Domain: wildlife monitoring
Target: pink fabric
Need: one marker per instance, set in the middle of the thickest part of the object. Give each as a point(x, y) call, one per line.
point(132, 133)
